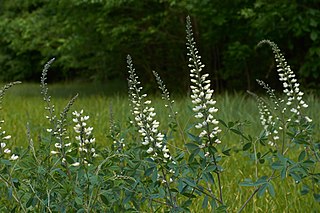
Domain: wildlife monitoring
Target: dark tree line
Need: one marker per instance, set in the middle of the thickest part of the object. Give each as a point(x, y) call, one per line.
point(91, 38)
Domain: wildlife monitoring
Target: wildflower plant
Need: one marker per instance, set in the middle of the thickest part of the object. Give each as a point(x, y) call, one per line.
point(144, 119)
point(169, 104)
point(85, 138)
point(116, 134)
point(289, 111)
point(7, 157)
point(138, 169)
point(285, 126)
point(159, 161)
point(5, 150)
point(204, 145)
point(201, 93)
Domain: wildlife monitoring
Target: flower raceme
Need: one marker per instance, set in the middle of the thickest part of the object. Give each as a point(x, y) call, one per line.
point(4, 150)
point(290, 83)
point(202, 95)
point(144, 118)
point(84, 137)
point(4, 138)
point(284, 111)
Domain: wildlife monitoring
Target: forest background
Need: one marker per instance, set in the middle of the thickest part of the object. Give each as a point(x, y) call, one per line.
point(91, 38)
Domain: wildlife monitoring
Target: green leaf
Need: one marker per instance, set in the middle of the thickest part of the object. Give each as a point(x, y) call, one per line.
point(10, 193)
point(222, 122)
point(148, 171)
point(189, 195)
point(226, 152)
point(205, 202)
point(210, 168)
point(295, 176)
point(162, 193)
point(261, 181)
point(308, 163)
point(180, 156)
point(221, 209)
point(277, 165)
point(305, 190)
point(231, 124)
point(187, 203)
point(283, 173)
point(236, 131)
point(155, 196)
point(190, 182)
point(212, 150)
point(262, 189)
point(127, 198)
point(30, 202)
point(208, 177)
point(247, 182)
point(271, 190)
point(104, 199)
point(181, 185)
point(78, 200)
point(192, 146)
point(80, 210)
point(194, 137)
point(154, 177)
point(261, 161)
point(302, 155)
point(5, 162)
point(258, 155)
point(282, 159)
point(246, 146)
point(316, 197)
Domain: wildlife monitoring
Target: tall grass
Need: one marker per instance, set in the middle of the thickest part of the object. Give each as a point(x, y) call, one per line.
point(23, 105)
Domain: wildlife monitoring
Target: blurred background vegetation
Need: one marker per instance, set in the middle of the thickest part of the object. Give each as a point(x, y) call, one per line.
point(91, 38)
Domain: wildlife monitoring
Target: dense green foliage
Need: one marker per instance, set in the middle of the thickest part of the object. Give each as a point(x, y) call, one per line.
point(90, 38)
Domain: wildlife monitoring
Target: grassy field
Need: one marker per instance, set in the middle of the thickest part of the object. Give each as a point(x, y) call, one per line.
point(23, 105)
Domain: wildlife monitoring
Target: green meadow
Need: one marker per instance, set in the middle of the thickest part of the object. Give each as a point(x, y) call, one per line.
point(23, 108)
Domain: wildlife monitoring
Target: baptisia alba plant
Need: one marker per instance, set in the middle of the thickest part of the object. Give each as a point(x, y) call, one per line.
point(287, 129)
point(147, 166)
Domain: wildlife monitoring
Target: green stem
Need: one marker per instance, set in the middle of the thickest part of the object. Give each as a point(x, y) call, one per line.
point(15, 194)
point(255, 192)
point(168, 188)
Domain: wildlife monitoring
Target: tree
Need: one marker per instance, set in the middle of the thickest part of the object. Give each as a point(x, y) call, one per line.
point(91, 38)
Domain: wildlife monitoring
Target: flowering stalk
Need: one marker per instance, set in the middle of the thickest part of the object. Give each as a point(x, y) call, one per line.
point(4, 150)
point(203, 103)
point(62, 144)
point(268, 120)
point(292, 105)
point(85, 139)
point(286, 116)
point(289, 81)
point(165, 95)
point(115, 134)
point(152, 139)
point(44, 91)
point(144, 120)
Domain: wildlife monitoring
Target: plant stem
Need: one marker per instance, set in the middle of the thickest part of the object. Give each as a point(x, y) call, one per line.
point(168, 188)
point(15, 192)
point(255, 192)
